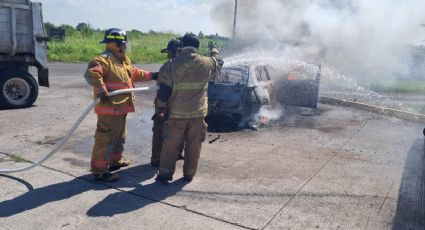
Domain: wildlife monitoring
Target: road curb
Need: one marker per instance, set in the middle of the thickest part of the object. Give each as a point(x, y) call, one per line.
point(372, 108)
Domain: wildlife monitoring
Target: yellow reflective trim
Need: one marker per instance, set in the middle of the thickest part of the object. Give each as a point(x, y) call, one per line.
point(190, 86)
point(192, 114)
point(115, 37)
point(165, 81)
point(160, 103)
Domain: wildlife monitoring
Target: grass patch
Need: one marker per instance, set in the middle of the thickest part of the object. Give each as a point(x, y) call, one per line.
point(18, 159)
point(13, 158)
point(400, 86)
point(143, 47)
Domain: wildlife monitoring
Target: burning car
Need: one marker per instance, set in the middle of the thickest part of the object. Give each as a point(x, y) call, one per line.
point(239, 92)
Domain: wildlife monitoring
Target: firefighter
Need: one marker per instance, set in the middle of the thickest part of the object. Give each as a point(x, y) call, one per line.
point(214, 51)
point(161, 112)
point(112, 70)
point(188, 105)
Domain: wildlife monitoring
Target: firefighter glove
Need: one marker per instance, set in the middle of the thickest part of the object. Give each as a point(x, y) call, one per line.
point(155, 76)
point(104, 96)
point(160, 112)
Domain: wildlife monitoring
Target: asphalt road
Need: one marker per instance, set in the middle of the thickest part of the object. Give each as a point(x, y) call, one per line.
point(336, 169)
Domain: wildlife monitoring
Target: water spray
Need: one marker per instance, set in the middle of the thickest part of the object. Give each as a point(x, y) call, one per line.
point(70, 132)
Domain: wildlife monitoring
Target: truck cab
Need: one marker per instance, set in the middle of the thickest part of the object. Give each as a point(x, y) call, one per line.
point(23, 44)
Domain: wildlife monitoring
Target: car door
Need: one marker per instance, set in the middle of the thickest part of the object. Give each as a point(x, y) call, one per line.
point(260, 81)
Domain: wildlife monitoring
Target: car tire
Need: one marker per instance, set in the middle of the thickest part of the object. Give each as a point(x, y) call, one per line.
point(314, 96)
point(18, 89)
point(313, 103)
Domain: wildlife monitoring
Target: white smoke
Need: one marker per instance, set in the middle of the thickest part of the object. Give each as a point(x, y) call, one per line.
point(361, 38)
point(267, 114)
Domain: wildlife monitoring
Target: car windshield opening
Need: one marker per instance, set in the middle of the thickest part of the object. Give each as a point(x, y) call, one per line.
point(232, 76)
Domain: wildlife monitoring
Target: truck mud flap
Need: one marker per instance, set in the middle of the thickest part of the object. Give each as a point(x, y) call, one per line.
point(43, 77)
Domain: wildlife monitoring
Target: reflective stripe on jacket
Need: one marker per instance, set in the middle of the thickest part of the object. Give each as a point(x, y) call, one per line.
point(111, 86)
point(110, 72)
point(190, 73)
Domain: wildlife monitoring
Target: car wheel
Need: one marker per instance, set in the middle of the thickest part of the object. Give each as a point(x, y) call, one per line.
point(313, 103)
point(18, 89)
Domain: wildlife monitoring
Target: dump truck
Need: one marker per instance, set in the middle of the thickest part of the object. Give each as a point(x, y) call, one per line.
point(23, 44)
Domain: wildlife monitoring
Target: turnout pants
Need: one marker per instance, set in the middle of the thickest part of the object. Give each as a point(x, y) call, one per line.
point(157, 139)
point(176, 131)
point(109, 142)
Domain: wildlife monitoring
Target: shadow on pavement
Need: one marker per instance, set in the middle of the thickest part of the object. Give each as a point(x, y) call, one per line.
point(34, 198)
point(114, 204)
point(217, 126)
point(410, 212)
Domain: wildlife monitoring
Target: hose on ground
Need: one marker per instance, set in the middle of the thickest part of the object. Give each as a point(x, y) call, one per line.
point(71, 131)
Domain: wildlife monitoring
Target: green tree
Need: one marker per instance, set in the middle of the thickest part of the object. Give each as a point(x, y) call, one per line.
point(85, 29)
point(82, 26)
point(48, 26)
point(200, 35)
point(135, 34)
point(69, 30)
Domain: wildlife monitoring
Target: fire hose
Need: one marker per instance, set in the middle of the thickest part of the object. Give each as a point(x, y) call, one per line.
point(71, 131)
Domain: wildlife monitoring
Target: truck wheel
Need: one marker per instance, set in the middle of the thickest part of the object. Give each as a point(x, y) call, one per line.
point(18, 89)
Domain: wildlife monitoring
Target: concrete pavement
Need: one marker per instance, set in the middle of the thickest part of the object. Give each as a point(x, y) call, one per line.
point(339, 169)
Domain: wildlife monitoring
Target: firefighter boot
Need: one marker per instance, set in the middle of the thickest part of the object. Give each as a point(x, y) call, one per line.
point(120, 164)
point(107, 177)
point(163, 179)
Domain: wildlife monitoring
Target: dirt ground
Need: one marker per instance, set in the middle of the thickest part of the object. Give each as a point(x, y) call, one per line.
point(336, 168)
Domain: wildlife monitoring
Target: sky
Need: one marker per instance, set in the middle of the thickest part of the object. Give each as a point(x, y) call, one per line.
point(365, 38)
point(159, 15)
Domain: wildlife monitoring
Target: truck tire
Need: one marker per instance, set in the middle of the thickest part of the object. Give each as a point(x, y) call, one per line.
point(18, 89)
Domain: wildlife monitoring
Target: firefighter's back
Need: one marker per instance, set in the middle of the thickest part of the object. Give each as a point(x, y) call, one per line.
point(191, 73)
